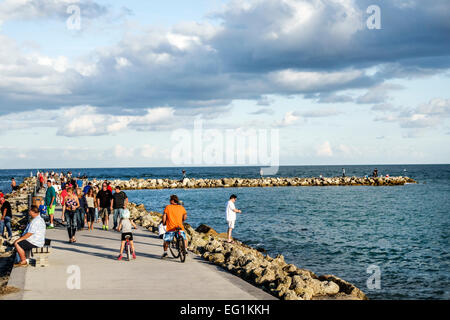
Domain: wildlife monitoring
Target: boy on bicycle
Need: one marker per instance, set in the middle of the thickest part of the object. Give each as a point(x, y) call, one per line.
point(173, 217)
point(126, 225)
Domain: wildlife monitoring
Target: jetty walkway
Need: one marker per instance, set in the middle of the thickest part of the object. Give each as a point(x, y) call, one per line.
point(101, 276)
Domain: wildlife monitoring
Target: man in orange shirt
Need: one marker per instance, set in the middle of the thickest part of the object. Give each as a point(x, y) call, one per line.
point(173, 217)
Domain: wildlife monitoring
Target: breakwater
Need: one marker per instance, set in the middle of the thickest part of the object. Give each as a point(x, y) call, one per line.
point(272, 274)
point(139, 184)
point(19, 208)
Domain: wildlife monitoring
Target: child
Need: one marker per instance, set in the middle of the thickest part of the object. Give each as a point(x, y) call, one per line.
point(42, 210)
point(125, 225)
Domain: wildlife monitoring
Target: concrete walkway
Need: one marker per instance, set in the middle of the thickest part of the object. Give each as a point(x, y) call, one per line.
point(102, 277)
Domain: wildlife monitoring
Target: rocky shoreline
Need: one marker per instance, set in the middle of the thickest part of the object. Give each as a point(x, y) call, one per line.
point(19, 206)
point(275, 276)
point(186, 183)
point(272, 274)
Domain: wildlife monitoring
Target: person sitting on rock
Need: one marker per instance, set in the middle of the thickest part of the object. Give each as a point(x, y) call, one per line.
point(173, 218)
point(33, 236)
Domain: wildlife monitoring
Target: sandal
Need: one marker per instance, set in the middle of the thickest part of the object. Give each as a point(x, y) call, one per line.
point(21, 264)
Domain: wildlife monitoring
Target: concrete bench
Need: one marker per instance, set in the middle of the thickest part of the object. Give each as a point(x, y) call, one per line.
point(39, 256)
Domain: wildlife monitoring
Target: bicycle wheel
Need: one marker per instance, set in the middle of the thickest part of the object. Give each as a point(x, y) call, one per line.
point(181, 249)
point(128, 250)
point(173, 246)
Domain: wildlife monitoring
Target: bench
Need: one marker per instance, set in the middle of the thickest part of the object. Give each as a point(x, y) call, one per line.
point(40, 255)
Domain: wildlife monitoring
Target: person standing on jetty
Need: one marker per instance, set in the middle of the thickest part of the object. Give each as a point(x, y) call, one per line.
point(173, 218)
point(119, 204)
point(104, 198)
point(50, 202)
point(343, 172)
point(70, 207)
point(14, 186)
point(90, 213)
point(231, 216)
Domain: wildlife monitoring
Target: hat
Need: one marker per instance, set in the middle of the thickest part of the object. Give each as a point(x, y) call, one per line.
point(125, 214)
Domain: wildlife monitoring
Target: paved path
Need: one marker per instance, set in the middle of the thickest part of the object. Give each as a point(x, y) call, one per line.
point(147, 277)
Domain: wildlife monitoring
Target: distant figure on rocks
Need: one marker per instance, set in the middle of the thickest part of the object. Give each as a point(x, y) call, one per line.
point(14, 185)
point(173, 218)
point(231, 216)
point(184, 173)
point(375, 173)
point(343, 172)
point(33, 236)
point(261, 173)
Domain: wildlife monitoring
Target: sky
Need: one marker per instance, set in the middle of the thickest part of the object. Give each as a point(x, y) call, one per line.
point(95, 83)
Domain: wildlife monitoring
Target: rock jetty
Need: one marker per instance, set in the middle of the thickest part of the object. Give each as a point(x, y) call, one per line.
point(272, 274)
point(19, 206)
point(187, 183)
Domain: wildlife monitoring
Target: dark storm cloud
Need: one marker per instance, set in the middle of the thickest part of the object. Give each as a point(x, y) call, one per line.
point(271, 47)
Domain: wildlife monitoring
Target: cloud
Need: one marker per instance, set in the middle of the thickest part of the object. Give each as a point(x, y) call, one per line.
point(47, 9)
point(378, 94)
point(263, 111)
point(329, 97)
point(252, 49)
point(427, 115)
point(384, 107)
point(322, 113)
point(324, 150)
point(290, 118)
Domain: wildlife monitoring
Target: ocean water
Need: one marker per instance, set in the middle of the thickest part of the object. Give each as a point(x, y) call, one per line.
point(403, 231)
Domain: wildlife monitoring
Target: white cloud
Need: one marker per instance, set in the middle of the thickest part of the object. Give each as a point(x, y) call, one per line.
point(324, 149)
point(427, 115)
point(290, 118)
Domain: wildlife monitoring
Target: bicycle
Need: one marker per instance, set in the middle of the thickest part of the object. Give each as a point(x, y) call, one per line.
point(177, 246)
point(127, 247)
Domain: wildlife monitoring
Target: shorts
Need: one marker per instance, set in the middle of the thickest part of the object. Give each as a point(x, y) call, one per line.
point(168, 236)
point(127, 234)
point(25, 245)
point(104, 211)
point(231, 223)
point(51, 210)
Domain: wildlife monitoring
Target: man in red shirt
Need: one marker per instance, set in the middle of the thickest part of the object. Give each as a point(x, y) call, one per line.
point(63, 196)
point(173, 217)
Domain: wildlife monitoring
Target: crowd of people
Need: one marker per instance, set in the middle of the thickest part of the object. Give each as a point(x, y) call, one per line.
point(84, 204)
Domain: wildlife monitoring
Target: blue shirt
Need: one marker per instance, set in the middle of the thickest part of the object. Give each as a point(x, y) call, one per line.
point(42, 210)
point(86, 189)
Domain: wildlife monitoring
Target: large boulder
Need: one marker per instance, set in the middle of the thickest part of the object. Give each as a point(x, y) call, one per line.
point(345, 287)
point(203, 228)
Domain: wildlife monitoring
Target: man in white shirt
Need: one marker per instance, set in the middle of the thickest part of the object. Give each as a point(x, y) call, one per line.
point(231, 216)
point(33, 236)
